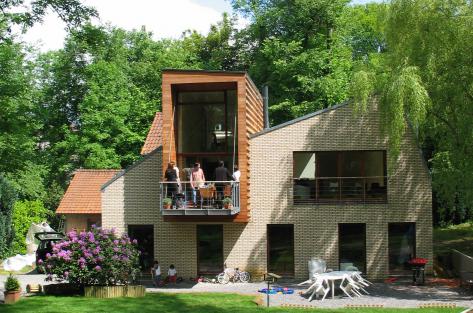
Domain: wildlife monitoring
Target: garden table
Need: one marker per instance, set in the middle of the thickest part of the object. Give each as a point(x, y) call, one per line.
point(331, 277)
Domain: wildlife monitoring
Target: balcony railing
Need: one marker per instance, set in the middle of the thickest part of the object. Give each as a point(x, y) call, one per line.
point(340, 189)
point(215, 198)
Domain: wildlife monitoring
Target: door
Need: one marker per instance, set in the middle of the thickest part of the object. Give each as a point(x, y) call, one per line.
point(402, 246)
point(144, 234)
point(281, 249)
point(352, 246)
point(209, 249)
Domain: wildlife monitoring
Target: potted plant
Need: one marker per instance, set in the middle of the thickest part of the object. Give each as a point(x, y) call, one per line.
point(12, 290)
point(227, 202)
point(167, 202)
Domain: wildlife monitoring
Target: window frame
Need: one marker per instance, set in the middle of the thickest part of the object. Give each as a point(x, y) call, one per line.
point(340, 197)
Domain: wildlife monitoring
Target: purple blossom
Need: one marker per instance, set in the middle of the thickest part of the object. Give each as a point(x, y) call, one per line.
point(48, 255)
point(66, 274)
point(135, 241)
point(40, 261)
point(98, 268)
point(115, 242)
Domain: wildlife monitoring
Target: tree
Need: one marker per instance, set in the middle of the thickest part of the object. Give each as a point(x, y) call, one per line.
point(425, 79)
point(8, 197)
point(24, 213)
point(294, 48)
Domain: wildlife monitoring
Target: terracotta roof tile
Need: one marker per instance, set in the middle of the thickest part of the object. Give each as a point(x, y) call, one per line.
point(83, 196)
point(155, 135)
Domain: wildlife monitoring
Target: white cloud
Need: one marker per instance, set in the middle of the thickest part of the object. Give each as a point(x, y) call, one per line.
point(166, 19)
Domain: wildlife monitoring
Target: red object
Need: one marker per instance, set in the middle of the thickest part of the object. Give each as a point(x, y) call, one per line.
point(418, 261)
point(172, 279)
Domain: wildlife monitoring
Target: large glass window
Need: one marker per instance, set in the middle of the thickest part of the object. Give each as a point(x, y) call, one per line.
point(339, 176)
point(281, 249)
point(209, 249)
point(402, 246)
point(352, 246)
point(206, 128)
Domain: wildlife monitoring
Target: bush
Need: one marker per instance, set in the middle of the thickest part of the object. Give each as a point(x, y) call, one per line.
point(25, 213)
point(12, 284)
point(97, 257)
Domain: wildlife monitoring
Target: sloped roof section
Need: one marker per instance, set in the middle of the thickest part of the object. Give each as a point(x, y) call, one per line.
point(155, 135)
point(83, 196)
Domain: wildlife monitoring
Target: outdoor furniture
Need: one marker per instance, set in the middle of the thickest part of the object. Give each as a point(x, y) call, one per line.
point(351, 283)
point(418, 270)
point(207, 193)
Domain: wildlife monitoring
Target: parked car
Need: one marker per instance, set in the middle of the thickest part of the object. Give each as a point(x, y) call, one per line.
point(46, 239)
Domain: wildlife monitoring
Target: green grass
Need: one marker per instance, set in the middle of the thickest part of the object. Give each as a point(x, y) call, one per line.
point(459, 237)
point(164, 302)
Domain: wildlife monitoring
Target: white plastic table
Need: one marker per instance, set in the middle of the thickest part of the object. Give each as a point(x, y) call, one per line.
point(333, 276)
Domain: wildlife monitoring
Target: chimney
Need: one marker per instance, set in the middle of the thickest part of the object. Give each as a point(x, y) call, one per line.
point(265, 107)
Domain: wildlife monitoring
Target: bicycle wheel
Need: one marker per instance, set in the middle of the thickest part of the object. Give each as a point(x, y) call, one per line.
point(245, 277)
point(223, 278)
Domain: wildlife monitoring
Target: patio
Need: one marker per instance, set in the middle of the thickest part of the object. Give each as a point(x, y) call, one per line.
point(400, 294)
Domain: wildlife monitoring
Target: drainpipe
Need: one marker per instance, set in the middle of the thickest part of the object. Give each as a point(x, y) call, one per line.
point(265, 107)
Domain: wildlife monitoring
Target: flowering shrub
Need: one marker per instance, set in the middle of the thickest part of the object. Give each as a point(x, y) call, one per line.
point(96, 257)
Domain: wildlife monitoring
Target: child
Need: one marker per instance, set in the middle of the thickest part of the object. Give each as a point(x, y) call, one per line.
point(156, 274)
point(172, 274)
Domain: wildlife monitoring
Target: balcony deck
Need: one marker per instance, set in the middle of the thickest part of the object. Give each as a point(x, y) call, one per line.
point(214, 198)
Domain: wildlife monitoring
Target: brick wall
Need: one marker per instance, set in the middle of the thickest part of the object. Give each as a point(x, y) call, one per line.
point(133, 199)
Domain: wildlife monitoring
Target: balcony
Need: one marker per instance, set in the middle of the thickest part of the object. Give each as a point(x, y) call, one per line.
point(215, 198)
point(326, 190)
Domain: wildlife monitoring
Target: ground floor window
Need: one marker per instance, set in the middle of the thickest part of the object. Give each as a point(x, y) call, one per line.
point(144, 234)
point(402, 244)
point(352, 246)
point(281, 249)
point(209, 249)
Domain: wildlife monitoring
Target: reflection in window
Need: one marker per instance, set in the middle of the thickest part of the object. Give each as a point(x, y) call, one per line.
point(352, 247)
point(401, 246)
point(210, 249)
point(340, 176)
point(281, 249)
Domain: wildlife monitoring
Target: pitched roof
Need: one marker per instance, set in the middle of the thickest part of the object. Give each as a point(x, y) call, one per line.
point(83, 196)
point(299, 119)
point(155, 135)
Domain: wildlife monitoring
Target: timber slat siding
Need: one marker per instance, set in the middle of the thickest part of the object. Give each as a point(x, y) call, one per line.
point(250, 121)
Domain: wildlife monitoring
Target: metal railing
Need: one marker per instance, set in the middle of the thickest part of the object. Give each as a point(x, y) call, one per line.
point(370, 189)
point(210, 198)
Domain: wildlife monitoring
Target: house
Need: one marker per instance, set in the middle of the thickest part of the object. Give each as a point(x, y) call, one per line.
point(318, 186)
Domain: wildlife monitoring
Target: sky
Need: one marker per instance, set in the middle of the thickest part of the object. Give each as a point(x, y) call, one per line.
point(165, 18)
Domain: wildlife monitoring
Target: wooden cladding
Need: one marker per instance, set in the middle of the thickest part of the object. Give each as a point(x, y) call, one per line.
point(249, 118)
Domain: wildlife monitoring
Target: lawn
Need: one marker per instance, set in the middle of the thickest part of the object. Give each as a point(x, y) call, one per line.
point(24, 270)
point(164, 302)
point(459, 237)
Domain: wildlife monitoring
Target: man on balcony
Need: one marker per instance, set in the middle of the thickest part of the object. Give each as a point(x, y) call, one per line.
point(223, 178)
point(197, 180)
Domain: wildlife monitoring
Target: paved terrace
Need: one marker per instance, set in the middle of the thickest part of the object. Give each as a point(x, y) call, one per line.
point(398, 295)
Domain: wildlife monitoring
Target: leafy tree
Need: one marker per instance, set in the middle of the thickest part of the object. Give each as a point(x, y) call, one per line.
point(425, 79)
point(8, 197)
point(24, 213)
point(294, 48)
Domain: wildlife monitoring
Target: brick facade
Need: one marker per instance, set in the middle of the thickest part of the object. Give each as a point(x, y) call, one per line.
point(133, 199)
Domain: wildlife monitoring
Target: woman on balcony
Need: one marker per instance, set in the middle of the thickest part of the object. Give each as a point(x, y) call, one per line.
point(171, 176)
point(197, 180)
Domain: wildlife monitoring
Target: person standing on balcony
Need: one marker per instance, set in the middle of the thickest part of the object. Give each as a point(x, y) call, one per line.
point(197, 179)
point(177, 175)
point(171, 176)
point(236, 173)
point(223, 178)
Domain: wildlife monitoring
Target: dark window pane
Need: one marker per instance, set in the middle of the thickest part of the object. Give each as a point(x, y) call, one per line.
point(352, 246)
point(210, 249)
point(281, 249)
point(401, 245)
point(351, 163)
point(352, 188)
point(327, 166)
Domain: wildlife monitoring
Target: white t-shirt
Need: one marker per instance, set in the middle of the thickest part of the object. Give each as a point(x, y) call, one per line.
point(157, 270)
point(236, 175)
point(172, 272)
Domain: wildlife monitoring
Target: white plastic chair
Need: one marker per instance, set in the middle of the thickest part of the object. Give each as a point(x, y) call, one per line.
point(319, 287)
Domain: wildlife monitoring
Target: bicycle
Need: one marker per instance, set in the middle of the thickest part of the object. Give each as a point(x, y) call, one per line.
point(233, 274)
